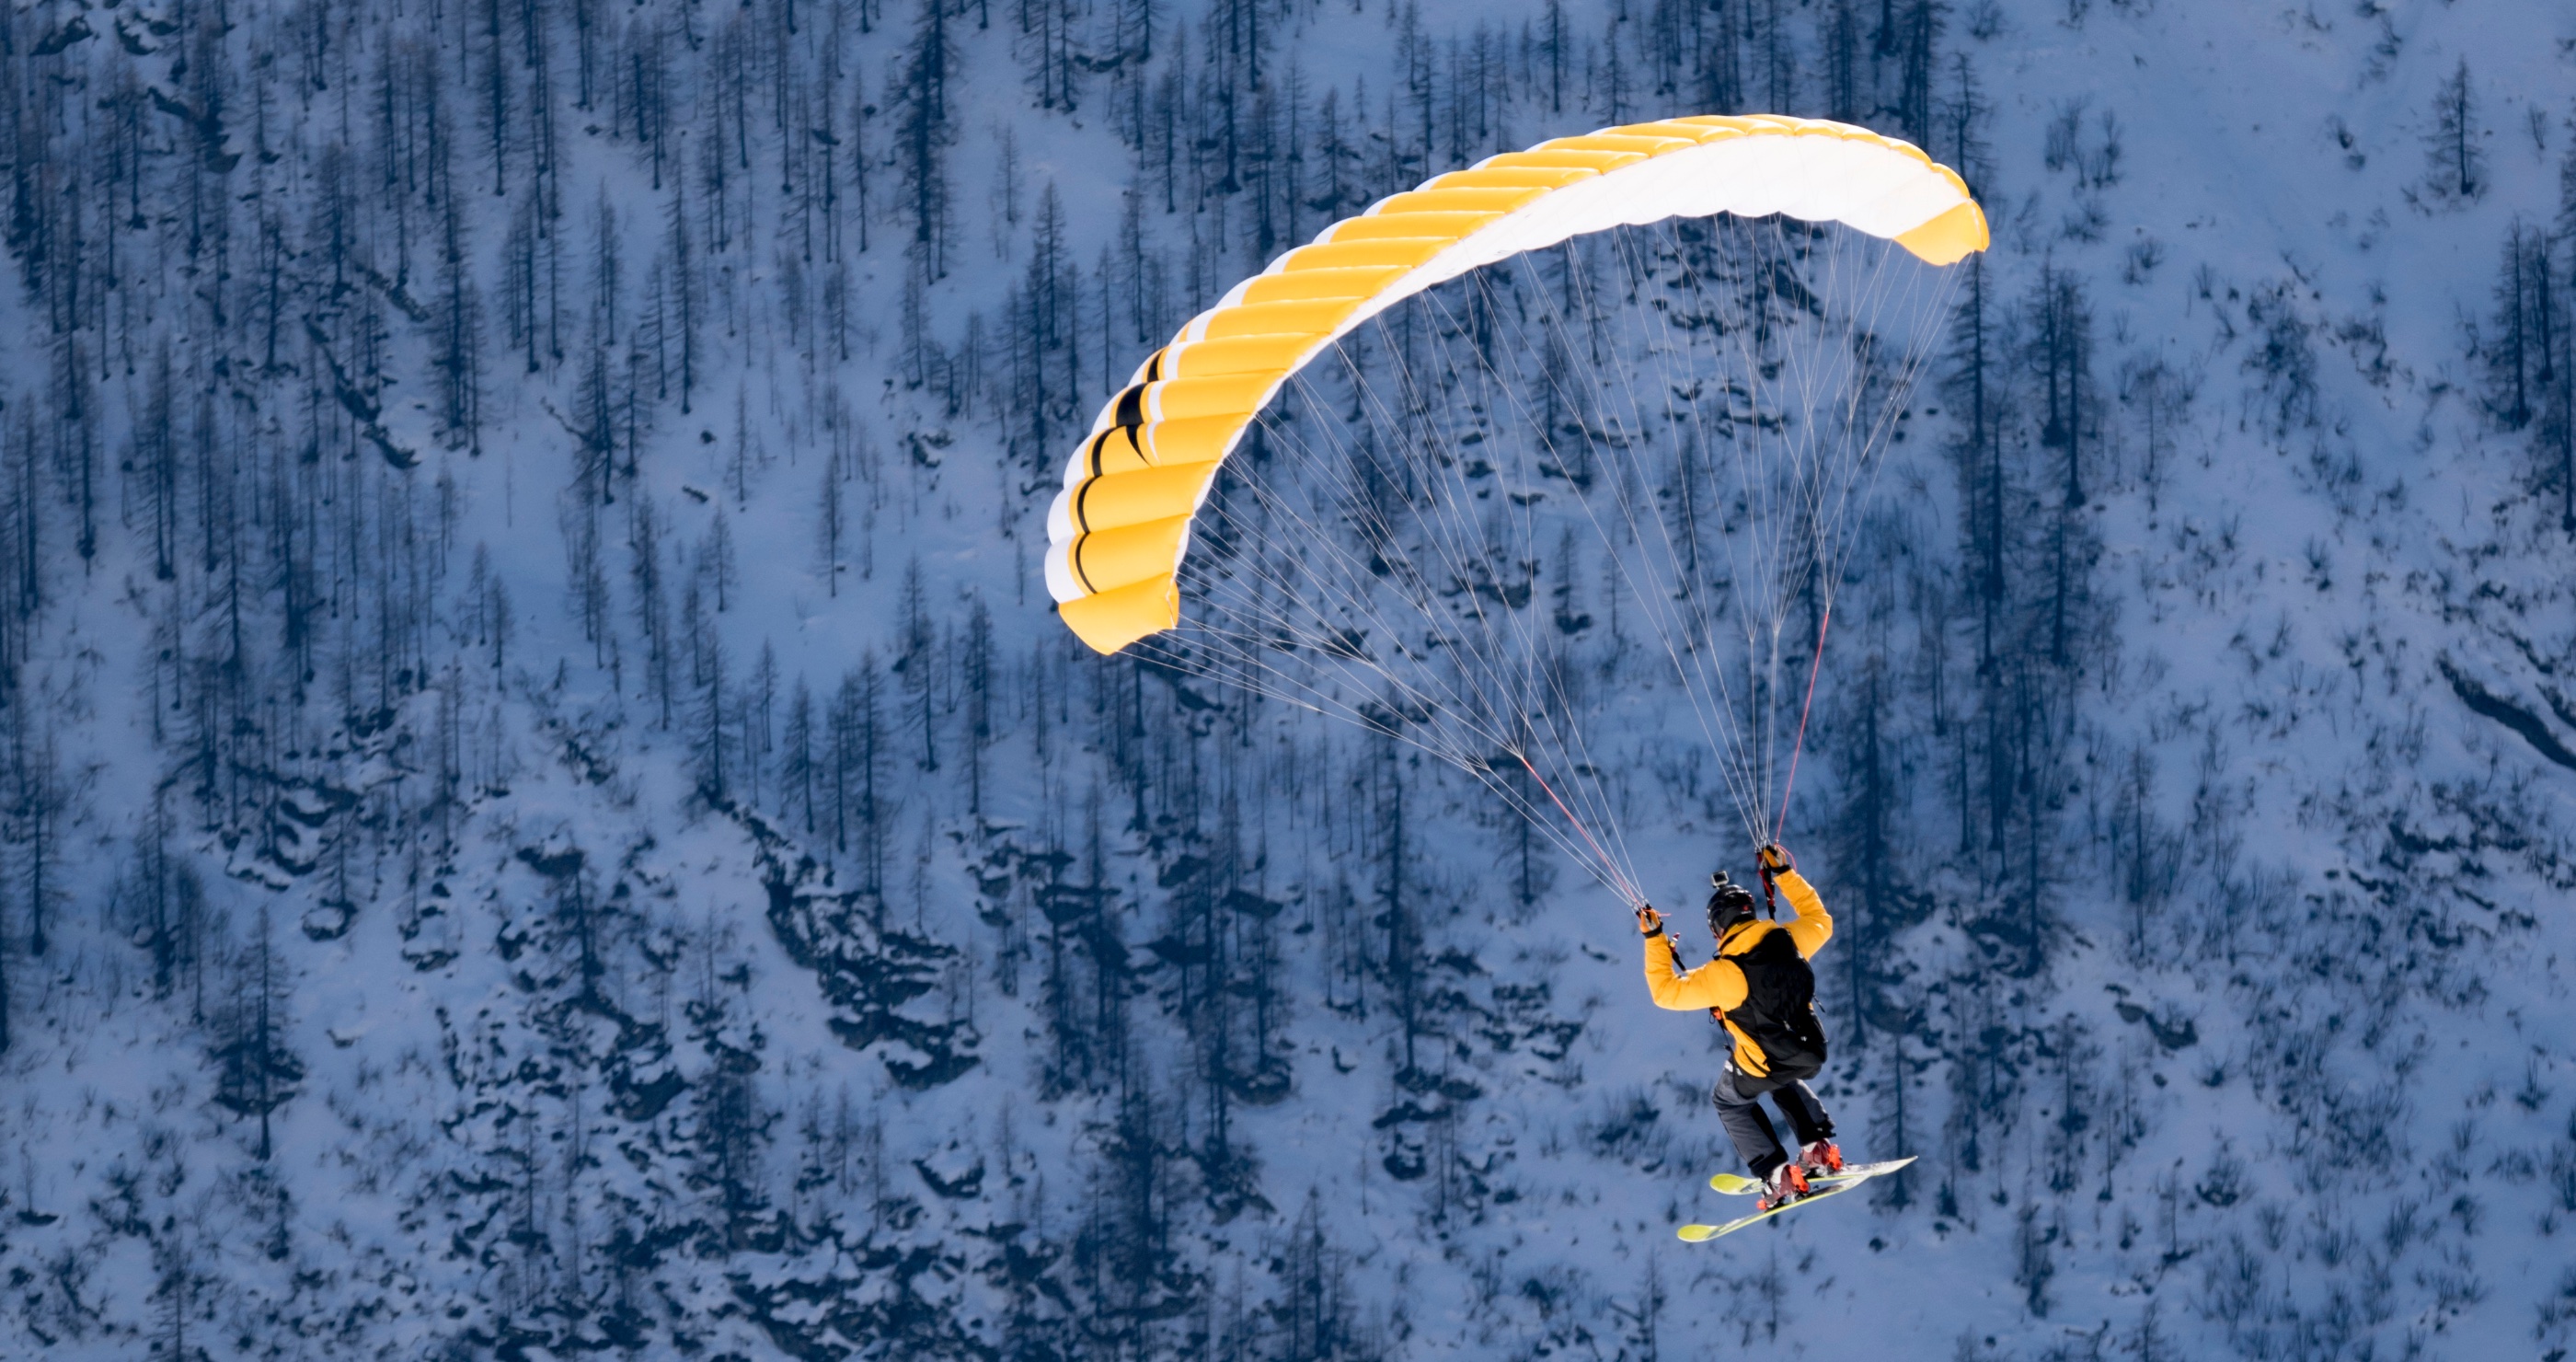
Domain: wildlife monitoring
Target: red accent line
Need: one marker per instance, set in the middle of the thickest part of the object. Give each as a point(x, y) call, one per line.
point(1629, 889)
point(1781, 825)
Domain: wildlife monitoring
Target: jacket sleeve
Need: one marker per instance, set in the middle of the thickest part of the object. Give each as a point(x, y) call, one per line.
point(1813, 926)
point(1717, 984)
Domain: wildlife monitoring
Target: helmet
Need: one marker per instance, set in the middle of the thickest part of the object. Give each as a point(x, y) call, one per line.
point(1729, 903)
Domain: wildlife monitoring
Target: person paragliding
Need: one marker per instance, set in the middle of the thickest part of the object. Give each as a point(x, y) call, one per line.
point(1347, 483)
point(1762, 989)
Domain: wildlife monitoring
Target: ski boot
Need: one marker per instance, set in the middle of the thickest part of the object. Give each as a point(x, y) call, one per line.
point(1787, 1183)
point(1820, 1159)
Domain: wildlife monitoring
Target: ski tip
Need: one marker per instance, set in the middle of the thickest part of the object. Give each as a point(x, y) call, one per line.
point(1733, 1184)
point(1692, 1234)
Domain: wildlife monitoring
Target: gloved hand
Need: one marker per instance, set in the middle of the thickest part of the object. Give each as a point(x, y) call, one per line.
point(1649, 922)
point(1776, 858)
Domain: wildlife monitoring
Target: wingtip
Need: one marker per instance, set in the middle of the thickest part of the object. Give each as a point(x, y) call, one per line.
point(1951, 237)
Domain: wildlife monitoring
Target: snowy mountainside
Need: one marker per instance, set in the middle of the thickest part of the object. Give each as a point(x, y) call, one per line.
point(547, 812)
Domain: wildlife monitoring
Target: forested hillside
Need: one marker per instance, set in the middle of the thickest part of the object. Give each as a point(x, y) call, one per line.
point(545, 809)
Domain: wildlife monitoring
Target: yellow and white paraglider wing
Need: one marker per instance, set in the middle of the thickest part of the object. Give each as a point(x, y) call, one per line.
point(1118, 531)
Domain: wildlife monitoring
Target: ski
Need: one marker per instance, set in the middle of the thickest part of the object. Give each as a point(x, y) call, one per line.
point(1736, 1184)
point(1833, 1184)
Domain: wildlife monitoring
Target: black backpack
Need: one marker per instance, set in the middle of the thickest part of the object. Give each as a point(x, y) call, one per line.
point(1779, 1010)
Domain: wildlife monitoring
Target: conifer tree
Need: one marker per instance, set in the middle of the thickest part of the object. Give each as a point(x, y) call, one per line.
point(255, 1071)
point(2454, 160)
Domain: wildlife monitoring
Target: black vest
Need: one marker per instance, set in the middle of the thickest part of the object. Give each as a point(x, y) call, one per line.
point(1779, 1011)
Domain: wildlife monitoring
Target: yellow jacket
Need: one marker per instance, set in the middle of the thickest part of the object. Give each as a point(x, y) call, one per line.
point(1719, 985)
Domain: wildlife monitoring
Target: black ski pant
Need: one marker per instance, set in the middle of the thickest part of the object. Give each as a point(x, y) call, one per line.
point(1746, 1123)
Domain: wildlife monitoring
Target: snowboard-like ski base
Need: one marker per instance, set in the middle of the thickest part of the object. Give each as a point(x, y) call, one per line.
point(1830, 1184)
point(1737, 1184)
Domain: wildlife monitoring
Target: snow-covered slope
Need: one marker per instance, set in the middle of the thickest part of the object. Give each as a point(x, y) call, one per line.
point(547, 813)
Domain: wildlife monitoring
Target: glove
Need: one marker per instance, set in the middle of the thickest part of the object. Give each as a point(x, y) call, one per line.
point(1776, 858)
point(1649, 922)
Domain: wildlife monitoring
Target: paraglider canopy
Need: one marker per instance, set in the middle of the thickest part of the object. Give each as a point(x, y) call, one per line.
point(1119, 529)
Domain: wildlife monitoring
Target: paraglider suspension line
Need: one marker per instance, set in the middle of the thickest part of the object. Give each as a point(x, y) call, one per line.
point(1781, 824)
point(1623, 886)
